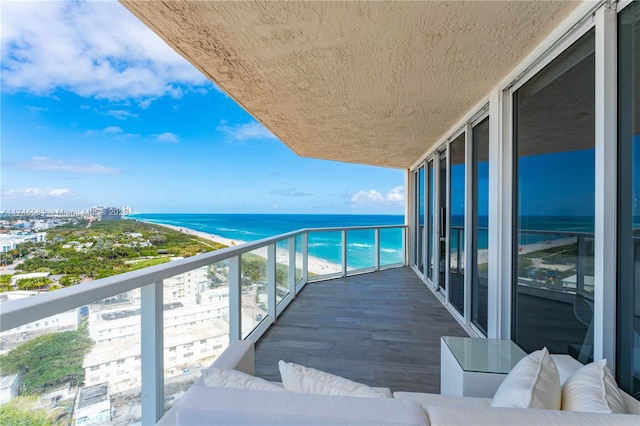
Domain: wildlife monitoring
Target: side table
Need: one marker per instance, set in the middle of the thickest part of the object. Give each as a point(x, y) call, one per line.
point(475, 367)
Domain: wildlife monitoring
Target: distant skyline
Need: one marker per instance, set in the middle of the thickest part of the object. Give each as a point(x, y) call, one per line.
point(100, 114)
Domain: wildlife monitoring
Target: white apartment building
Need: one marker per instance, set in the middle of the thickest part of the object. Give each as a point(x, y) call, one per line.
point(195, 331)
point(9, 242)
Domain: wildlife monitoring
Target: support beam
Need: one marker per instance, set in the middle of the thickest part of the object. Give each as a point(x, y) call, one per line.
point(605, 260)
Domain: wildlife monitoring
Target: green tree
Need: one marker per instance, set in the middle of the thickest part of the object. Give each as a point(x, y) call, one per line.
point(49, 360)
point(5, 278)
point(33, 283)
point(68, 280)
point(27, 411)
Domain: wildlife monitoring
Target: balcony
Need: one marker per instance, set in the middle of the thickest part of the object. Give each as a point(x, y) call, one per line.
point(155, 328)
point(382, 329)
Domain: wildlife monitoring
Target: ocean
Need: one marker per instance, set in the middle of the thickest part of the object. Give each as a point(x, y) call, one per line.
point(323, 245)
point(360, 244)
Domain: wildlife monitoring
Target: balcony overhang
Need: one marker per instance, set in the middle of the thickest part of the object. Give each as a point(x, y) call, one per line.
point(374, 83)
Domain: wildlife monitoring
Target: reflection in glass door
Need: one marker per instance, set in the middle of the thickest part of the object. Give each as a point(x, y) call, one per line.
point(442, 222)
point(456, 222)
point(480, 226)
point(628, 350)
point(553, 283)
point(419, 250)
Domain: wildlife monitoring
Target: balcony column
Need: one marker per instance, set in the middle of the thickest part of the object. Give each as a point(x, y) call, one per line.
point(604, 315)
point(152, 353)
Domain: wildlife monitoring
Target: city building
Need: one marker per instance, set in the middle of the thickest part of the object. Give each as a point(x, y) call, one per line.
point(195, 330)
point(63, 321)
point(93, 406)
point(10, 241)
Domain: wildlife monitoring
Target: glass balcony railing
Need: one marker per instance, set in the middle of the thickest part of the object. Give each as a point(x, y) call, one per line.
point(134, 343)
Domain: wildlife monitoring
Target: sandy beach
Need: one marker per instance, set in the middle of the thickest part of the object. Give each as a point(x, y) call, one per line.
point(483, 254)
point(316, 265)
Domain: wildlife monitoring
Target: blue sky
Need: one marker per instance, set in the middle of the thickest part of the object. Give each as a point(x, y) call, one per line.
point(100, 114)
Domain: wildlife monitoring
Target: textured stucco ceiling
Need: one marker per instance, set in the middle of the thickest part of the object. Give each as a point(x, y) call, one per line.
point(363, 82)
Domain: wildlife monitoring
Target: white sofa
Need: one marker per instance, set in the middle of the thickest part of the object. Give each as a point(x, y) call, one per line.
point(205, 405)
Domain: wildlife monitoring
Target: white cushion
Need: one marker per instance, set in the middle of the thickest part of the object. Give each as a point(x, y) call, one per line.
point(228, 378)
point(300, 379)
point(429, 399)
point(533, 383)
point(488, 416)
point(203, 405)
point(593, 389)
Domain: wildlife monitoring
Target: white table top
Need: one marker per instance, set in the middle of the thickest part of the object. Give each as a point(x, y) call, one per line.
point(484, 355)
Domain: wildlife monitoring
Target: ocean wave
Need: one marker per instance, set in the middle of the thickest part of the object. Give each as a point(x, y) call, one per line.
point(237, 231)
point(228, 229)
point(319, 244)
point(389, 250)
point(362, 245)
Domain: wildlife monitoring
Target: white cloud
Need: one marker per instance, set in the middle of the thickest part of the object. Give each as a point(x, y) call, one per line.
point(54, 164)
point(367, 197)
point(290, 192)
point(112, 130)
point(120, 114)
point(371, 197)
point(75, 46)
point(396, 194)
point(38, 193)
point(248, 131)
point(167, 137)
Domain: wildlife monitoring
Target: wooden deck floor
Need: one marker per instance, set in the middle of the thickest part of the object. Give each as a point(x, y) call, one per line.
point(381, 329)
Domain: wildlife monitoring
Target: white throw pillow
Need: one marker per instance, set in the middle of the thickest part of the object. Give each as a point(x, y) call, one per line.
point(592, 388)
point(533, 383)
point(297, 378)
point(228, 378)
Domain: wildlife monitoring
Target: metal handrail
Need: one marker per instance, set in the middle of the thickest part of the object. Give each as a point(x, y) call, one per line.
point(15, 313)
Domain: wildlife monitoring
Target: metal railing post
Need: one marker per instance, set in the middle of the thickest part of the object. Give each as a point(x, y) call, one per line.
point(271, 281)
point(405, 256)
point(376, 245)
point(344, 253)
point(235, 299)
point(292, 266)
point(305, 257)
point(581, 252)
point(152, 353)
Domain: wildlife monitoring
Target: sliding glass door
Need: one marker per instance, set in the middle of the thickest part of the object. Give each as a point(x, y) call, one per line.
point(554, 147)
point(628, 350)
point(480, 225)
point(456, 221)
point(430, 219)
point(420, 231)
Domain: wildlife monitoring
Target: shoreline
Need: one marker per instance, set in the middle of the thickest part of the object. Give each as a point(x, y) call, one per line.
point(315, 265)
